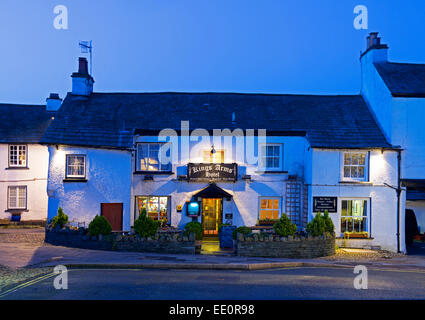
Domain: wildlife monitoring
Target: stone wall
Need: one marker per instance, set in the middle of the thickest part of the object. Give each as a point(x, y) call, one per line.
point(162, 242)
point(258, 245)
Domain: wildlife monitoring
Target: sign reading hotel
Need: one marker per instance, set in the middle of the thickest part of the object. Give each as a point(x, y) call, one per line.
point(212, 171)
point(325, 203)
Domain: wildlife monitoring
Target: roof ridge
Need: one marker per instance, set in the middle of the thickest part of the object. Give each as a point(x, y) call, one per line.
point(227, 93)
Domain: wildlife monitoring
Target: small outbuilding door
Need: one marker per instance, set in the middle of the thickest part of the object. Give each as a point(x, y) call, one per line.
point(113, 213)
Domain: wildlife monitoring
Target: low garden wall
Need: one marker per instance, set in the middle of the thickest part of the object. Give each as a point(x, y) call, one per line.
point(273, 246)
point(162, 242)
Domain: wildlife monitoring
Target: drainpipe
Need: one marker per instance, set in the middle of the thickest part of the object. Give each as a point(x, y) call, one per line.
point(398, 199)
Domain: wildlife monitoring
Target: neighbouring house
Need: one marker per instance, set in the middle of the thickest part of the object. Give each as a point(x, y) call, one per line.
point(24, 161)
point(115, 154)
point(395, 93)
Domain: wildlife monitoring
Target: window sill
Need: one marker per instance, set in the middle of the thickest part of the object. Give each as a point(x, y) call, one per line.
point(154, 172)
point(16, 210)
point(355, 182)
point(342, 238)
point(75, 180)
point(272, 172)
point(16, 168)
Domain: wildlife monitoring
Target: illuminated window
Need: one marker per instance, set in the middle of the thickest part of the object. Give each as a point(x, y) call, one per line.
point(270, 158)
point(156, 207)
point(355, 166)
point(270, 208)
point(217, 157)
point(17, 155)
point(17, 197)
point(153, 157)
point(75, 166)
point(354, 215)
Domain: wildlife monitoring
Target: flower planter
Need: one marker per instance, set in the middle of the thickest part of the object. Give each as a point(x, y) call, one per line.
point(356, 235)
point(266, 222)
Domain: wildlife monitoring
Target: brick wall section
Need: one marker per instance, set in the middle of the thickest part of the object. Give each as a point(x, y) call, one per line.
point(164, 243)
point(280, 247)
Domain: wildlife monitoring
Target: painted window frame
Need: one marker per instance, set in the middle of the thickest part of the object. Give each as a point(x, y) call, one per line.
point(271, 209)
point(261, 156)
point(137, 161)
point(368, 215)
point(136, 207)
point(10, 165)
point(72, 176)
point(212, 155)
point(17, 207)
point(365, 178)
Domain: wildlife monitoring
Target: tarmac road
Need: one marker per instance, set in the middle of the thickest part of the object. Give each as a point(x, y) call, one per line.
point(272, 284)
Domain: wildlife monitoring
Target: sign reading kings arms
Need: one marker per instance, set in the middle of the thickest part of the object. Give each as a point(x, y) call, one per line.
point(212, 171)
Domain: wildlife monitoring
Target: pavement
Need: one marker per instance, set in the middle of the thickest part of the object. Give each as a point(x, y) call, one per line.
point(36, 255)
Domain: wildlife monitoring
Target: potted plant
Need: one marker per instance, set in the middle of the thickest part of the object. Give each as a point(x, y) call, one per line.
point(356, 235)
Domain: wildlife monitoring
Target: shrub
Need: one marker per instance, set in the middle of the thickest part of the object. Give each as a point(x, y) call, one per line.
point(284, 227)
point(60, 219)
point(99, 225)
point(194, 227)
point(244, 230)
point(145, 226)
point(320, 224)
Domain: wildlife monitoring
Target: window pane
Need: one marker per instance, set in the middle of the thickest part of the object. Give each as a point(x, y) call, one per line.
point(347, 158)
point(362, 159)
point(361, 172)
point(275, 214)
point(355, 158)
point(347, 172)
point(354, 172)
point(263, 203)
point(276, 204)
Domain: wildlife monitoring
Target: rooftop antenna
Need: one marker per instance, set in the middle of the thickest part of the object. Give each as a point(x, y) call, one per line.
point(86, 47)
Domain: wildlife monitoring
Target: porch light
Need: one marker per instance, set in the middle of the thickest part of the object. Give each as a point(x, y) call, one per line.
point(212, 149)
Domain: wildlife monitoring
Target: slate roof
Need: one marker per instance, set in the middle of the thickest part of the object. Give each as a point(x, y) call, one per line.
point(110, 119)
point(23, 123)
point(403, 79)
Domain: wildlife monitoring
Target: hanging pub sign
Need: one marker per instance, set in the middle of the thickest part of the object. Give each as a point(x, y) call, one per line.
point(212, 171)
point(320, 204)
point(193, 208)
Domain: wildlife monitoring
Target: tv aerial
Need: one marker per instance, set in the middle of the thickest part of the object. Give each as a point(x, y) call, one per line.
point(86, 47)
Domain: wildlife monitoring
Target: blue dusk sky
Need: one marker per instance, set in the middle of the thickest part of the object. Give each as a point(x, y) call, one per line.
point(282, 46)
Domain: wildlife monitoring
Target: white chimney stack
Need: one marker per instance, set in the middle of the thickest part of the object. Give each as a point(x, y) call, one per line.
point(82, 81)
point(53, 103)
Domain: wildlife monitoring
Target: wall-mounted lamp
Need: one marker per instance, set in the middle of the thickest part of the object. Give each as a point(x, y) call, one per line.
point(212, 149)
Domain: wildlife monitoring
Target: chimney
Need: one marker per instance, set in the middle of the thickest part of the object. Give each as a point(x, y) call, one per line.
point(374, 49)
point(82, 81)
point(53, 103)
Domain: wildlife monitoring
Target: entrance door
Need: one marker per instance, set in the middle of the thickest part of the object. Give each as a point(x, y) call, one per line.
point(113, 213)
point(212, 210)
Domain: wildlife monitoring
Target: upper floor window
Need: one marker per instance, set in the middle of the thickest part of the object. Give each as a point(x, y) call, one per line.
point(17, 155)
point(153, 157)
point(355, 166)
point(17, 197)
point(271, 157)
point(216, 157)
point(75, 166)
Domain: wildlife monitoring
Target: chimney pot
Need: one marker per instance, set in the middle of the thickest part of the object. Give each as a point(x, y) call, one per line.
point(82, 66)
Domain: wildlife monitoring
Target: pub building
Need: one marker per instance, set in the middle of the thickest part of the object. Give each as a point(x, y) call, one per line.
point(319, 152)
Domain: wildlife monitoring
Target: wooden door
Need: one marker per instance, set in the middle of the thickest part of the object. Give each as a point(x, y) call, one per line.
point(113, 213)
point(211, 216)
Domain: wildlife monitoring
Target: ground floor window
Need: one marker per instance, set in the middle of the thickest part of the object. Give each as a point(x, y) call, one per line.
point(156, 207)
point(354, 215)
point(270, 208)
point(17, 197)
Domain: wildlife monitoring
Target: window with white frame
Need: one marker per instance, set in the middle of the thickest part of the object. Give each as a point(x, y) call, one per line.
point(271, 157)
point(153, 157)
point(75, 166)
point(17, 155)
point(355, 166)
point(270, 208)
point(17, 197)
point(354, 215)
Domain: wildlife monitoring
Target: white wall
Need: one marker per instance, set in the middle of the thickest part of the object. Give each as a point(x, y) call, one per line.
point(326, 181)
point(108, 174)
point(35, 178)
point(244, 204)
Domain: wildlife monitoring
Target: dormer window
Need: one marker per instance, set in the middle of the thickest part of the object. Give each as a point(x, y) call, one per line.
point(17, 156)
